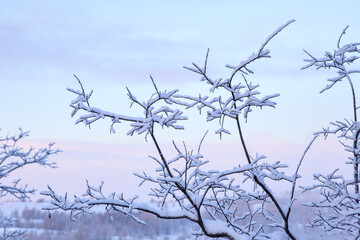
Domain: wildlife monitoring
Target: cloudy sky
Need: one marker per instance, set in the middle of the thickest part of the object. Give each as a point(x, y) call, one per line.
point(120, 43)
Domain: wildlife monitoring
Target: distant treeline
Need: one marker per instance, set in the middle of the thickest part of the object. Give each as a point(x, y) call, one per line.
point(40, 225)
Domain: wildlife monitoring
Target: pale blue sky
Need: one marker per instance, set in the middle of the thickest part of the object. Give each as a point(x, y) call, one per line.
point(113, 44)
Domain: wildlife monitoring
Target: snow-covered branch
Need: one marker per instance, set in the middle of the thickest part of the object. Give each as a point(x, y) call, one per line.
point(242, 97)
point(339, 207)
point(12, 158)
point(6, 232)
point(236, 203)
point(199, 196)
point(163, 115)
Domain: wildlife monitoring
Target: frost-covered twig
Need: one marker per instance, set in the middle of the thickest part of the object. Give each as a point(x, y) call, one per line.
point(339, 207)
point(212, 199)
point(163, 115)
point(12, 158)
point(340, 197)
point(242, 98)
point(6, 232)
point(213, 191)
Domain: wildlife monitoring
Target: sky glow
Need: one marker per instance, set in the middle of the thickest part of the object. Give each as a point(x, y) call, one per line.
point(120, 43)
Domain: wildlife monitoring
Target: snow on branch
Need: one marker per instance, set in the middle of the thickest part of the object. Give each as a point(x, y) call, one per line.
point(242, 97)
point(339, 208)
point(163, 116)
point(7, 231)
point(338, 60)
point(201, 196)
point(236, 203)
point(14, 157)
